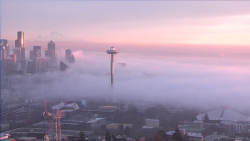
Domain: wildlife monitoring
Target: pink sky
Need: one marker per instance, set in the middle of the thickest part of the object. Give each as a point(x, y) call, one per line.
point(131, 22)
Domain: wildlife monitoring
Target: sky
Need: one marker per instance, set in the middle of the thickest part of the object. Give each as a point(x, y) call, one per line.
point(131, 22)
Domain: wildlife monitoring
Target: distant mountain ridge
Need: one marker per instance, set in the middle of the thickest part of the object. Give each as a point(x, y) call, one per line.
point(55, 36)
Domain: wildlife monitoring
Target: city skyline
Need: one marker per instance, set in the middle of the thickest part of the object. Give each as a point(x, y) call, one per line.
point(192, 63)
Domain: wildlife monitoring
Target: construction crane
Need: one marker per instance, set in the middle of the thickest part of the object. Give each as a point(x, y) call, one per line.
point(55, 126)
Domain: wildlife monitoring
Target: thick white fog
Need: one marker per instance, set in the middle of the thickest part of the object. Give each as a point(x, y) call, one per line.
point(187, 81)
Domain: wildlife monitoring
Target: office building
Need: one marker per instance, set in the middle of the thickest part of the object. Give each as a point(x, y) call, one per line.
point(36, 52)
point(67, 54)
point(17, 52)
point(50, 54)
point(13, 56)
point(46, 52)
point(4, 43)
point(30, 67)
point(69, 57)
point(20, 40)
point(2, 52)
point(63, 66)
point(50, 51)
point(39, 64)
point(32, 56)
point(23, 64)
point(8, 66)
point(22, 53)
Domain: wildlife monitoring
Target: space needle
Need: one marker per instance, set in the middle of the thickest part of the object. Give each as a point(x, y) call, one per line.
point(112, 51)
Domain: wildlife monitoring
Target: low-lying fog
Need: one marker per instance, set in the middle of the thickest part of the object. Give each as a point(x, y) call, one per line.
point(189, 81)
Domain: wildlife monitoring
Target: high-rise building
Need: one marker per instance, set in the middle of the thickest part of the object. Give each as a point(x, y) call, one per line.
point(2, 52)
point(30, 67)
point(67, 54)
point(7, 51)
point(32, 56)
point(39, 64)
point(63, 66)
point(4, 43)
point(13, 56)
point(23, 64)
point(20, 39)
point(22, 53)
point(17, 51)
point(51, 50)
point(8, 66)
point(36, 52)
point(46, 52)
point(50, 54)
point(69, 57)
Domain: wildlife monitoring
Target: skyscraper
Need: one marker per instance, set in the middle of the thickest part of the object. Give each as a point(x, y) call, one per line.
point(8, 66)
point(13, 56)
point(19, 49)
point(4, 43)
point(51, 52)
point(2, 52)
point(37, 51)
point(69, 57)
point(23, 53)
point(30, 67)
point(67, 54)
point(20, 39)
point(39, 64)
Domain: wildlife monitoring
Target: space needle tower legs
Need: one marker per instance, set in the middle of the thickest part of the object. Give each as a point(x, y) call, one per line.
point(112, 51)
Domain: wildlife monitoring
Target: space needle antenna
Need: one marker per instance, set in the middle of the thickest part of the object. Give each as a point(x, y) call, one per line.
point(112, 52)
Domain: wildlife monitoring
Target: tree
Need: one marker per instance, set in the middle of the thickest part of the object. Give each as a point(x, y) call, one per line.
point(160, 136)
point(121, 127)
point(104, 128)
point(177, 135)
point(107, 136)
point(81, 136)
point(127, 130)
point(114, 138)
point(206, 118)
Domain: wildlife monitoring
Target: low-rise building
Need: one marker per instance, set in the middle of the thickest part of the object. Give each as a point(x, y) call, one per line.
point(95, 123)
point(230, 127)
point(152, 123)
point(117, 125)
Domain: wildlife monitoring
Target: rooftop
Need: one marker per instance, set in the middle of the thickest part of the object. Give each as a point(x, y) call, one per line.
point(51, 42)
point(94, 120)
point(224, 114)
